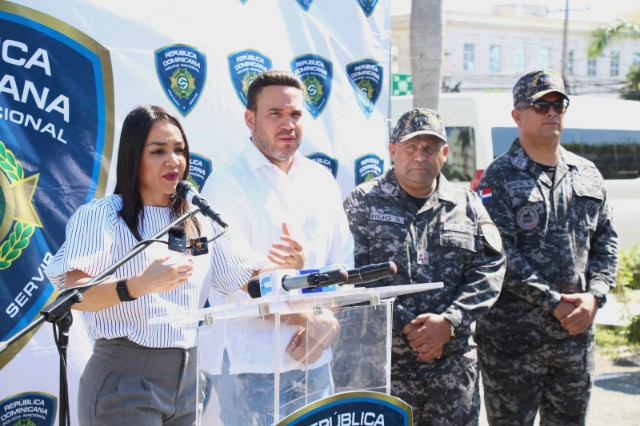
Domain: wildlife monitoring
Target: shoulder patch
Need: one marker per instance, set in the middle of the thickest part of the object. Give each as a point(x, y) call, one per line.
point(491, 236)
point(485, 195)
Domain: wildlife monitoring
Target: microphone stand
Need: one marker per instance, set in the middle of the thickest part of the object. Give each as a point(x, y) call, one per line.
point(58, 313)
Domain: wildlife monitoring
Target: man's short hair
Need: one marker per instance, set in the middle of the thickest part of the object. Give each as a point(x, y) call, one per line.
point(271, 78)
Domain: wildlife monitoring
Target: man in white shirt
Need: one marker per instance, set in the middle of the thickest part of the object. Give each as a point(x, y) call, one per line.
point(290, 209)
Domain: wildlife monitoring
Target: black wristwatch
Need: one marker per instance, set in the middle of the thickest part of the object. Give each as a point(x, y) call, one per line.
point(123, 293)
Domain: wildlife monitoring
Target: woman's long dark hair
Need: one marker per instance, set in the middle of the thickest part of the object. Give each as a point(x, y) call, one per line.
point(135, 130)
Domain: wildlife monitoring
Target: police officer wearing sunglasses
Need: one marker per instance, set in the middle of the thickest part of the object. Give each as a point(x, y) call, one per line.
point(536, 344)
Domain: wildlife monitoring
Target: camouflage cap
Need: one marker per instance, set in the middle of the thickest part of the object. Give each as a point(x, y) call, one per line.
point(534, 85)
point(418, 121)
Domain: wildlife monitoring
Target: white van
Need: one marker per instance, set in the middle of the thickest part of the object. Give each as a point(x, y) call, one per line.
point(603, 130)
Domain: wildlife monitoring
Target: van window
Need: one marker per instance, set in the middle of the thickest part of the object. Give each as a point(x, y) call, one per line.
point(461, 161)
point(616, 153)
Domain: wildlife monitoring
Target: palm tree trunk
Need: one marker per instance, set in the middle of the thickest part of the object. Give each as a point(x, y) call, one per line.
point(427, 51)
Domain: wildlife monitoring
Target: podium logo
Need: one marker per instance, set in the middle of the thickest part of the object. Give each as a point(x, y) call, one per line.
point(316, 73)
point(244, 67)
point(353, 408)
point(365, 77)
point(182, 71)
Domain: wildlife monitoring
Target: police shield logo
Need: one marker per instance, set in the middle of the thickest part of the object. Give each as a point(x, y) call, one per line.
point(316, 73)
point(365, 77)
point(323, 159)
point(199, 169)
point(29, 409)
point(243, 68)
point(305, 4)
point(368, 6)
point(353, 408)
point(56, 104)
point(368, 167)
point(182, 71)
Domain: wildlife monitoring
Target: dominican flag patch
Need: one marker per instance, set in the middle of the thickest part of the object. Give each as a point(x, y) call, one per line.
point(485, 195)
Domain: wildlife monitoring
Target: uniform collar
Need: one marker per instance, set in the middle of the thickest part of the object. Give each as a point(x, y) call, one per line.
point(520, 160)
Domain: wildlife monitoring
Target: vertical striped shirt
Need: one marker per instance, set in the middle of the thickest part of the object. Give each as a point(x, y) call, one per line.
point(97, 237)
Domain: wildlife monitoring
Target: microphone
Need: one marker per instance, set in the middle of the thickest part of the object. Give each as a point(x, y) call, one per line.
point(315, 279)
point(370, 273)
point(261, 286)
point(188, 192)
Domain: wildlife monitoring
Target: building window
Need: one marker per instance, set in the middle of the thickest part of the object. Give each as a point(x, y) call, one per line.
point(520, 58)
point(469, 57)
point(615, 64)
point(544, 57)
point(591, 67)
point(570, 57)
point(636, 59)
point(494, 58)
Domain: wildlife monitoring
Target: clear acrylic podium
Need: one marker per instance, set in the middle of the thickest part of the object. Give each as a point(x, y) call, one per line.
point(310, 346)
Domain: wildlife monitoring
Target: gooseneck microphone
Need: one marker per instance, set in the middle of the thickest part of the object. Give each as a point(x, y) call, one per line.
point(188, 192)
point(315, 279)
point(311, 280)
point(370, 273)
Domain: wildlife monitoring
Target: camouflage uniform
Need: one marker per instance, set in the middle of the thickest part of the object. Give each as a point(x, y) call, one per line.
point(559, 238)
point(441, 241)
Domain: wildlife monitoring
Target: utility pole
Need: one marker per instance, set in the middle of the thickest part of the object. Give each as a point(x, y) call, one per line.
point(565, 40)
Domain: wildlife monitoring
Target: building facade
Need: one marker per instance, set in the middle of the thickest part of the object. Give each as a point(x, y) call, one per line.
point(488, 52)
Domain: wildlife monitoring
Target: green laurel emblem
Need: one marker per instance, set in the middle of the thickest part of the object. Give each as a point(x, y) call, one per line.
point(366, 88)
point(247, 79)
point(314, 89)
point(24, 422)
point(15, 206)
point(182, 83)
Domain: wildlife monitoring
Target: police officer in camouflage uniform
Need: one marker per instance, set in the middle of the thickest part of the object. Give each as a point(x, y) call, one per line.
point(434, 231)
point(536, 344)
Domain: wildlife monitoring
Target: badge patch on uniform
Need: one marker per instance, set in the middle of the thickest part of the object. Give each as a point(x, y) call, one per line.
point(492, 236)
point(592, 209)
point(423, 258)
point(527, 217)
point(383, 217)
point(519, 162)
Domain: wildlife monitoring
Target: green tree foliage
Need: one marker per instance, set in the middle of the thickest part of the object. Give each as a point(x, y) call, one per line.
point(602, 36)
point(632, 90)
point(629, 269)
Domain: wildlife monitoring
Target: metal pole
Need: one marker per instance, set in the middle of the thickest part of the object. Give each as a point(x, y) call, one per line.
point(565, 39)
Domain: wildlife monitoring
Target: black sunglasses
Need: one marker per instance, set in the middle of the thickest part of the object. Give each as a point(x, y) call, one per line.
point(542, 107)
